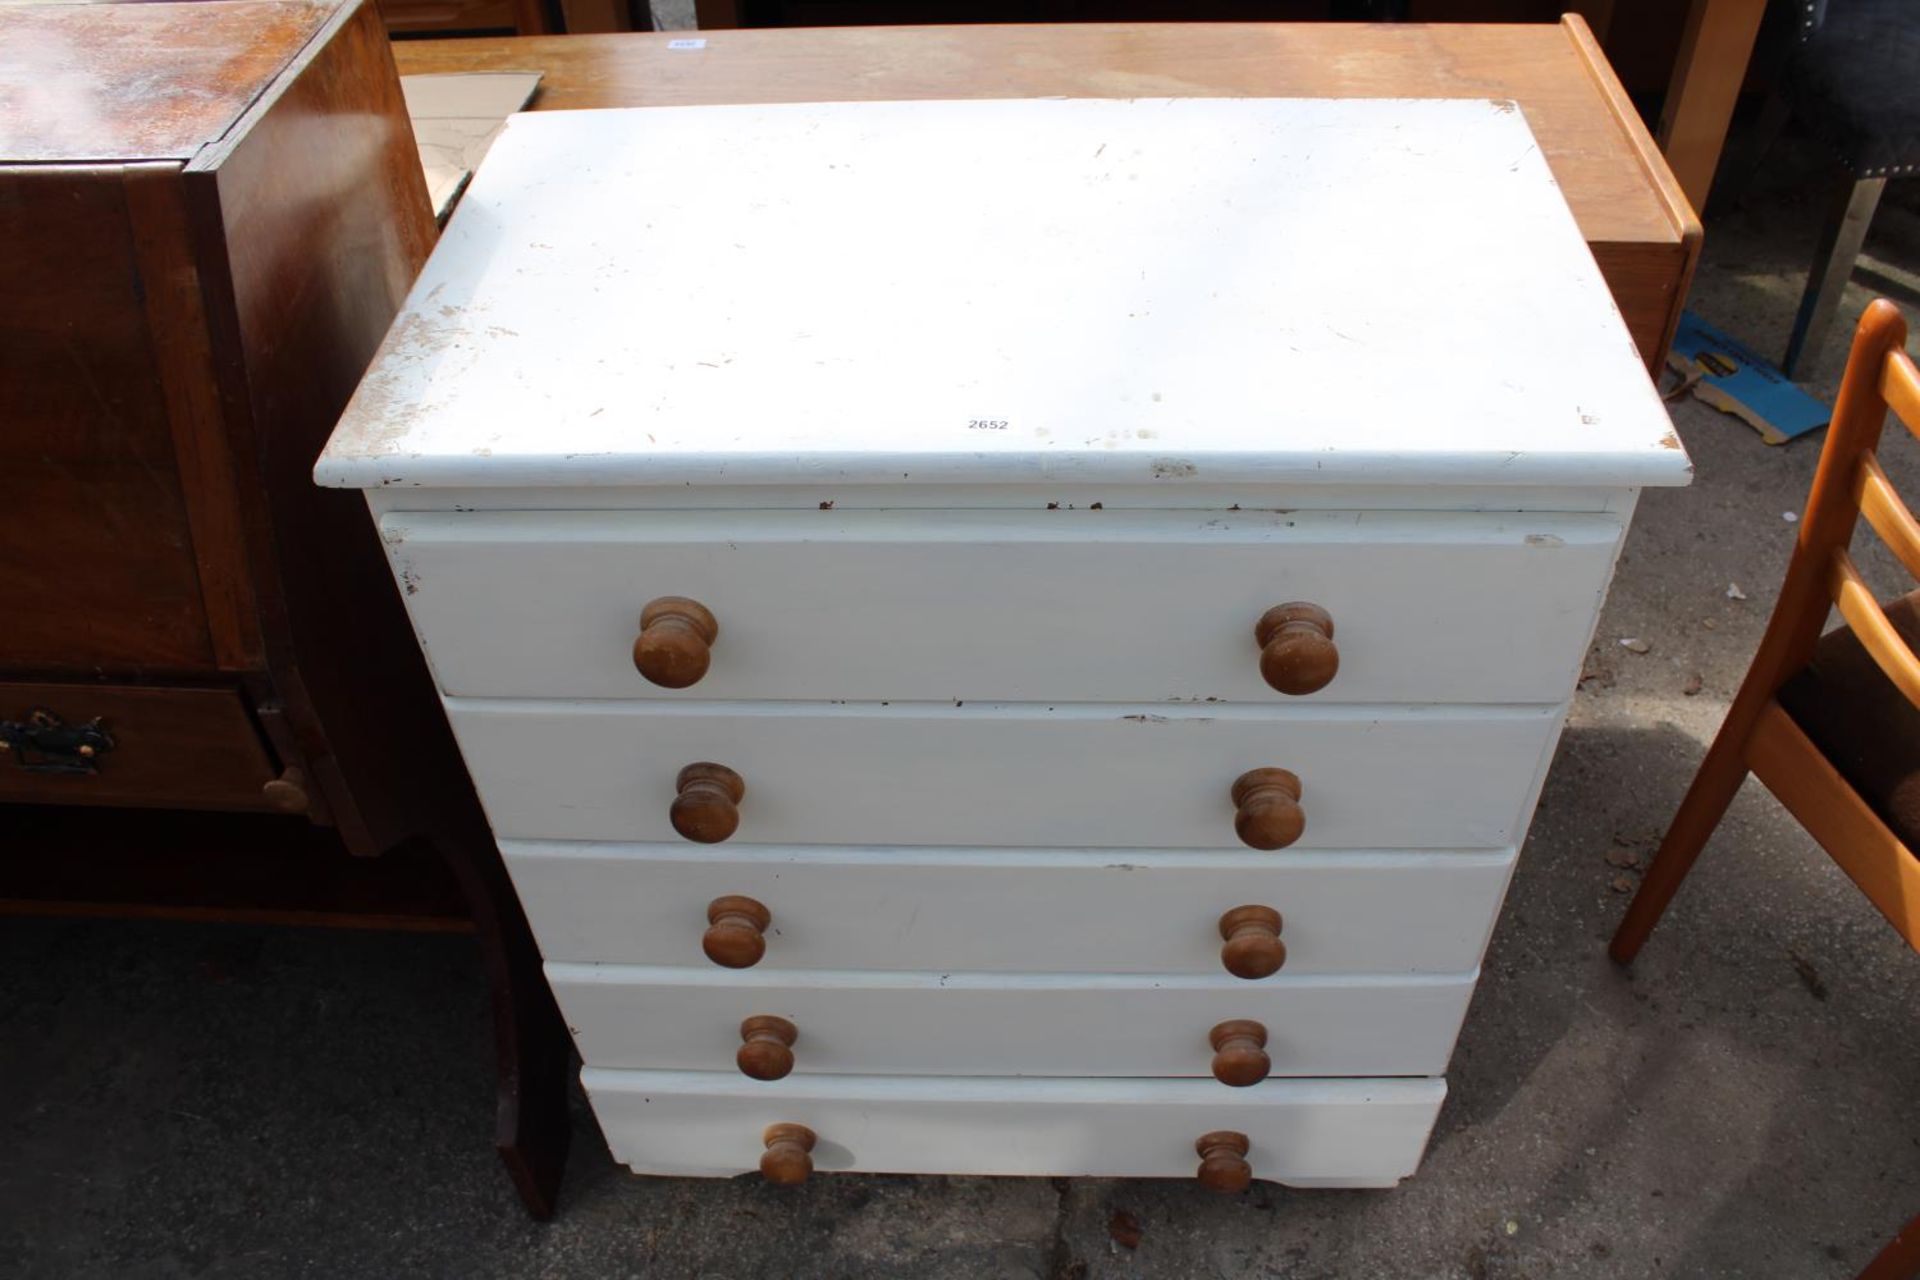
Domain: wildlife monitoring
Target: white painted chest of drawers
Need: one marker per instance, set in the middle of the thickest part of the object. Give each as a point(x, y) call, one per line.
point(980, 437)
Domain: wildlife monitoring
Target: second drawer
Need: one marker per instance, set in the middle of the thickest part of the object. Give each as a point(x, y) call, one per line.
point(1011, 1024)
point(1074, 776)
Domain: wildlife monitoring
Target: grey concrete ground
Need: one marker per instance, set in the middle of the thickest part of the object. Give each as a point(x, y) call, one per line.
point(241, 1102)
point(673, 15)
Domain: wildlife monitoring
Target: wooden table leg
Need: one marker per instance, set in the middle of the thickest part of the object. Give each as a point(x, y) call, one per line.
point(533, 1052)
point(1714, 50)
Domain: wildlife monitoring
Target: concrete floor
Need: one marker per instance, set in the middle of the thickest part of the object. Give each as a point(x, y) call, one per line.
point(225, 1101)
point(673, 15)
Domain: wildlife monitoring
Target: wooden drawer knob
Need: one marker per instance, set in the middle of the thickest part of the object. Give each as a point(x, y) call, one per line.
point(675, 643)
point(1223, 1161)
point(1296, 648)
point(288, 792)
point(766, 1047)
point(707, 808)
point(787, 1161)
point(1266, 808)
point(1239, 1052)
point(736, 935)
point(1253, 948)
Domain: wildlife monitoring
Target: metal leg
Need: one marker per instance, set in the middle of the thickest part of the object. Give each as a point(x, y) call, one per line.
point(1840, 241)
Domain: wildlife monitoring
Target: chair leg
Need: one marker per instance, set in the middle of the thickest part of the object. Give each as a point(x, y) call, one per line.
point(1706, 801)
point(1840, 240)
point(1900, 1260)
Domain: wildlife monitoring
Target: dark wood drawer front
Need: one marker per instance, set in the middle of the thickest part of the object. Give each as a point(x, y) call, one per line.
point(96, 563)
point(183, 748)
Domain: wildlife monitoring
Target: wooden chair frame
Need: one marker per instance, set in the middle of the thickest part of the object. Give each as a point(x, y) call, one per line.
point(1758, 736)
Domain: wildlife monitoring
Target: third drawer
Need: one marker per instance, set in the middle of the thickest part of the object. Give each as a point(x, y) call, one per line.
point(1004, 910)
point(1011, 1024)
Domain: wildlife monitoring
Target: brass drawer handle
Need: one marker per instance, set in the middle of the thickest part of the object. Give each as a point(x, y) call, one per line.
point(44, 743)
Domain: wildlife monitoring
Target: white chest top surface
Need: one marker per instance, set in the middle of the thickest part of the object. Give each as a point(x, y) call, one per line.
point(1155, 290)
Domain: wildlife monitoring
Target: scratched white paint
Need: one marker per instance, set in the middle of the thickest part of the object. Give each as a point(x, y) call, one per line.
point(1165, 291)
point(825, 368)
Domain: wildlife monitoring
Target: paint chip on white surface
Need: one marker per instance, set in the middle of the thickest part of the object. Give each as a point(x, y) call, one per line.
point(810, 187)
point(1636, 645)
point(1789, 516)
point(1734, 592)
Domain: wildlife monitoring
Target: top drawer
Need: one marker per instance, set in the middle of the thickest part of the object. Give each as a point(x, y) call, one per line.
point(1059, 606)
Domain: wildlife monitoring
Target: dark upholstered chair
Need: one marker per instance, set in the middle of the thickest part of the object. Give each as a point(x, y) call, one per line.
point(1853, 78)
point(1829, 724)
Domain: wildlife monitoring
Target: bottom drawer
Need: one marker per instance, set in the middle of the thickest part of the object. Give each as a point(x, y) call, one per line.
point(1308, 1133)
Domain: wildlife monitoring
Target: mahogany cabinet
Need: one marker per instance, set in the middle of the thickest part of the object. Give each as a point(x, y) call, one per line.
point(209, 215)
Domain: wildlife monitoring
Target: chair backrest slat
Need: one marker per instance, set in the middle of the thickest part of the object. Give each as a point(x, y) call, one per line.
point(1887, 513)
point(1900, 387)
point(1871, 627)
point(1813, 583)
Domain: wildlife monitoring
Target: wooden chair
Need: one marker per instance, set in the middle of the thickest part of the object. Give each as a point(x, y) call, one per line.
point(1830, 724)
